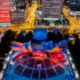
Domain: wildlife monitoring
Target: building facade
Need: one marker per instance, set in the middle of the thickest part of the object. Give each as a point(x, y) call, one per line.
point(39, 2)
point(4, 13)
point(51, 9)
point(74, 5)
point(17, 10)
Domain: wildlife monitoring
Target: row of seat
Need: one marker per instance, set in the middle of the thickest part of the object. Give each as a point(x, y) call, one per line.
point(49, 45)
point(19, 46)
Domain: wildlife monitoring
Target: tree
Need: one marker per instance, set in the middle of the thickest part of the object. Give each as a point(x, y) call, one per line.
point(1, 66)
point(45, 22)
point(5, 45)
point(57, 22)
point(19, 37)
point(29, 36)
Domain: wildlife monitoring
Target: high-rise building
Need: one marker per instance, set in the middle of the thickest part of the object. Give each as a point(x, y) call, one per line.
point(75, 7)
point(51, 9)
point(17, 17)
point(12, 5)
point(20, 4)
point(4, 13)
point(17, 11)
point(66, 2)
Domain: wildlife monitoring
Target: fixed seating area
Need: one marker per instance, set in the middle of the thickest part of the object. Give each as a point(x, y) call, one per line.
point(40, 38)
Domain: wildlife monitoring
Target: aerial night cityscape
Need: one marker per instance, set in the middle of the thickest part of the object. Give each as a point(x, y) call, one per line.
point(39, 39)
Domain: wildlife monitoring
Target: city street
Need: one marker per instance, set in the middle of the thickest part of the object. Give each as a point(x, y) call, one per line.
point(74, 26)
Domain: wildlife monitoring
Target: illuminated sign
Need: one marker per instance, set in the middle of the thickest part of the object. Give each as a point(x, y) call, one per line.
point(4, 11)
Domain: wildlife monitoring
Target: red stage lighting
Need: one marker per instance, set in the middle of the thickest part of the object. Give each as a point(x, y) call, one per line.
point(38, 54)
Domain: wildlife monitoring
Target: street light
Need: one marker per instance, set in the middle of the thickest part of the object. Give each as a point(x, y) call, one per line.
point(6, 54)
point(1, 76)
point(4, 66)
point(76, 75)
point(7, 59)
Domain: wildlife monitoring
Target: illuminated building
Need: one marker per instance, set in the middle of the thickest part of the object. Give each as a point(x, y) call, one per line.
point(5, 13)
point(12, 5)
point(17, 11)
point(51, 9)
point(75, 7)
point(8, 13)
point(66, 2)
point(17, 17)
point(20, 4)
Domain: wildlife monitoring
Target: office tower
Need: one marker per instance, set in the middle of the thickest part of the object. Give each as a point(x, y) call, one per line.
point(66, 2)
point(51, 9)
point(17, 11)
point(74, 5)
point(17, 17)
point(20, 4)
point(4, 13)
